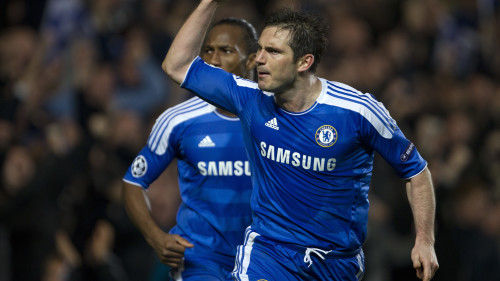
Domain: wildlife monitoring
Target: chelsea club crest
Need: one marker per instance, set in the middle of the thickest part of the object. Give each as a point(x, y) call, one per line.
point(326, 136)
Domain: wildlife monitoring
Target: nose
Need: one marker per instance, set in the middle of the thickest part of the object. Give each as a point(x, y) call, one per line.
point(214, 59)
point(259, 57)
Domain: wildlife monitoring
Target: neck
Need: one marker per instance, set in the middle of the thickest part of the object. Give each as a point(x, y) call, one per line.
point(301, 96)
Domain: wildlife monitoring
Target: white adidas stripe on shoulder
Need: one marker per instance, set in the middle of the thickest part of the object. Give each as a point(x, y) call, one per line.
point(347, 90)
point(166, 122)
point(242, 82)
point(195, 101)
point(342, 95)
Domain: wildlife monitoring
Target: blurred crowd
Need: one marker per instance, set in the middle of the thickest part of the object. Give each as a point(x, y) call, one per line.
point(81, 85)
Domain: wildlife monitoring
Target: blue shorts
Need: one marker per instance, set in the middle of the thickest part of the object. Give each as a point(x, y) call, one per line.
point(203, 266)
point(261, 259)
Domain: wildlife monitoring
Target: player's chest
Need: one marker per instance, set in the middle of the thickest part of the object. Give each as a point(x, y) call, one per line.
point(214, 141)
point(315, 133)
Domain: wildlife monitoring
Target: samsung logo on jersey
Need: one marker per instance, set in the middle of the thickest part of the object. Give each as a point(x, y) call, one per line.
point(296, 159)
point(224, 168)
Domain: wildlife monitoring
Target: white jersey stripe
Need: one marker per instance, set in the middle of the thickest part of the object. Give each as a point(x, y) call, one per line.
point(241, 252)
point(362, 109)
point(245, 252)
point(161, 144)
point(237, 265)
point(358, 94)
point(177, 274)
point(377, 106)
point(158, 141)
point(374, 110)
point(161, 119)
point(245, 82)
point(162, 125)
point(360, 273)
point(368, 106)
point(190, 102)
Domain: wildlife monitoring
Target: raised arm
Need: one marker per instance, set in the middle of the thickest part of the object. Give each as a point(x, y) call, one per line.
point(420, 193)
point(188, 41)
point(169, 247)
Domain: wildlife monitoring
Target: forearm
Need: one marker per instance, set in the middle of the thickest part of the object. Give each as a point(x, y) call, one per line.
point(136, 205)
point(188, 41)
point(422, 200)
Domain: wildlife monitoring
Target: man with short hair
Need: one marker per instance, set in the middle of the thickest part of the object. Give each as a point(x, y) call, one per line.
point(311, 144)
point(213, 170)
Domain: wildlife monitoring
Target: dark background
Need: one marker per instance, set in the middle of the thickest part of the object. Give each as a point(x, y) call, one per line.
point(81, 86)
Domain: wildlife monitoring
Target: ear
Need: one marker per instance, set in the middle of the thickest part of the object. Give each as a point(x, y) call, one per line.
point(250, 63)
point(305, 62)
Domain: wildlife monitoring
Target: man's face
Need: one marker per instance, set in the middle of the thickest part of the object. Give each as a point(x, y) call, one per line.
point(275, 66)
point(225, 48)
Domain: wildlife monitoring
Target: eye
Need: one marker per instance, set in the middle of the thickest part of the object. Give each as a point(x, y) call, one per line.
point(273, 51)
point(208, 50)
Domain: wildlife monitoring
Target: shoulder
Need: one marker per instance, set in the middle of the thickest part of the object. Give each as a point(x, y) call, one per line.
point(186, 110)
point(364, 104)
point(338, 90)
point(242, 82)
point(176, 116)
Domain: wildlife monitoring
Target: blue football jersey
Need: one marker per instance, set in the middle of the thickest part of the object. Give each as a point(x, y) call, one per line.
point(312, 169)
point(213, 173)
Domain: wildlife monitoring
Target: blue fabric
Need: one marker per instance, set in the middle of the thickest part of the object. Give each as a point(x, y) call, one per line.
point(200, 265)
point(312, 169)
point(263, 259)
point(213, 171)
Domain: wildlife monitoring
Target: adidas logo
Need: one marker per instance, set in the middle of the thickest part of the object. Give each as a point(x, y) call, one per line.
point(273, 123)
point(206, 142)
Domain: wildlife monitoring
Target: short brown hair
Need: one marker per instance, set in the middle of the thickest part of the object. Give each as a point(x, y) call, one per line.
point(308, 32)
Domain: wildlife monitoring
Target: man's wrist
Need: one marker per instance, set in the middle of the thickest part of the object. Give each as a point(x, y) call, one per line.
point(425, 240)
point(152, 235)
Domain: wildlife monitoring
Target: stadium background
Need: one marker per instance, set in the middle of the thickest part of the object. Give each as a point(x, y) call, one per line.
point(81, 85)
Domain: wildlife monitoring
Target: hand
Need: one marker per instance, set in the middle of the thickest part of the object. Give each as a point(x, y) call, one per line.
point(424, 261)
point(170, 249)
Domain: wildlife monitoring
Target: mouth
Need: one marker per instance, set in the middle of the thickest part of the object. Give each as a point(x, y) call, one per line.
point(262, 74)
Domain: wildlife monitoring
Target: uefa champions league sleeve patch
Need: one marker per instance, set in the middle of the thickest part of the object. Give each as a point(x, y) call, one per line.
point(139, 167)
point(406, 154)
point(326, 136)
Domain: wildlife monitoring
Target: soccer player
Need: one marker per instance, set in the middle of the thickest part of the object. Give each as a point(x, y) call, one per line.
point(213, 169)
point(311, 144)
